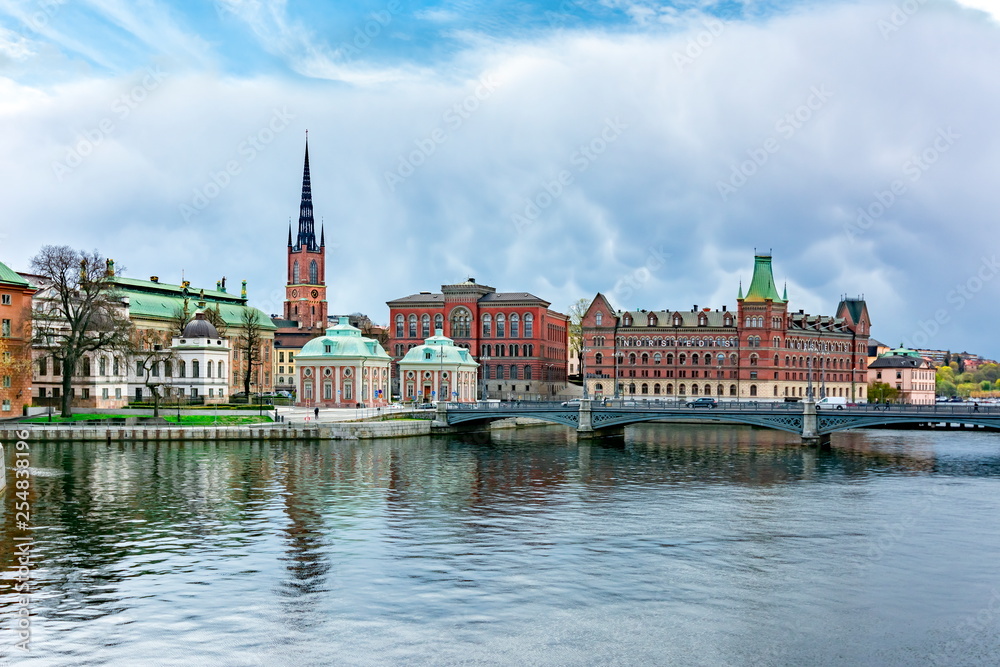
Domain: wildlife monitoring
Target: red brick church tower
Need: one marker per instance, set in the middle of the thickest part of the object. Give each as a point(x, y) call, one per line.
point(305, 291)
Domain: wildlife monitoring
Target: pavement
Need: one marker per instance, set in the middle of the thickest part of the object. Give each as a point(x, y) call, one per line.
point(297, 415)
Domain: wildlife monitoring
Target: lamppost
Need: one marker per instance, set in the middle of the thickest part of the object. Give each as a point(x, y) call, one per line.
point(484, 358)
point(809, 372)
point(721, 357)
point(583, 370)
point(822, 366)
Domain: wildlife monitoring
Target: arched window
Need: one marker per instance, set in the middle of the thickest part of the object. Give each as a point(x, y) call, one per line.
point(515, 326)
point(644, 388)
point(670, 390)
point(708, 390)
point(670, 359)
point(753, 359)
point(598, 359)
point(439, 322)
point(295, 272)
point(425, 326)
point(313, 273)
point(195, 372)
point(487, 325)
point(501, 325)
point(694, 390)
point(527, 372)
point(461, 320)
point(657, 358)
point(180, 369)
point(499, 372)
point(732, 359)
point(529, 321)
point(775, 360)
point(753, 390)
point(513, 372)
point(222, 370)
point(486, 372)
point(694, 359)
point(412, 321)
point(399, 326)
point(631, 388)
point(598, 318)
point(732, 390)
point(720, 391)
point(512, 350)
point(776, 391)
point(209, 368)
point(631, 359)
point(681, 359)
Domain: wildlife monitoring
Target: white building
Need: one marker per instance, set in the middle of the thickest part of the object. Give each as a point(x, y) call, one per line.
point(438, 370)
point(342, 369)
point(199, 365)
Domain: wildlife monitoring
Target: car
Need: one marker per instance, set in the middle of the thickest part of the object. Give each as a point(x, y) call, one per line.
point(574, 403)
point(703, 402)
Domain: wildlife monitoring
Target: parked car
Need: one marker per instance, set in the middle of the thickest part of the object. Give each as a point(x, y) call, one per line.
point(703, 402)
point(573, 403)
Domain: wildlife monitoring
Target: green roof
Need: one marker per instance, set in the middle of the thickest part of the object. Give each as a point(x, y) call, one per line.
point(438, 350)
point(10, 277)
point(342, 340)
point(160, 301)
point(762, 284)
point(901, 352)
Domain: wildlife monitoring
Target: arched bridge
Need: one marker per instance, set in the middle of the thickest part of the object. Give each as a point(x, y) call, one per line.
point(805, 419)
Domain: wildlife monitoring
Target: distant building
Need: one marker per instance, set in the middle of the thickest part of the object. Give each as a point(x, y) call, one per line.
point(342, 369)
point(15, 332)
point(519, 343)
point(201, 357)
point(908, 372)
point(760, 351)
point(439, 370)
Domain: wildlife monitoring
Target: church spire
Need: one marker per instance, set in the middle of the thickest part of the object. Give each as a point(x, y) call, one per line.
point(322, 235)
point(289, 232)
point(307, 233)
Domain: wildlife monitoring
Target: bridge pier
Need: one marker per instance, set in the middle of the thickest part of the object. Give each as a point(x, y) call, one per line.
point(810, 426)
point(585, 429)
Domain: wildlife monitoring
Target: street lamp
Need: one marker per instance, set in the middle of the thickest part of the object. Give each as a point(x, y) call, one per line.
point(721, 357)
point(583, 373)
point(809, 373)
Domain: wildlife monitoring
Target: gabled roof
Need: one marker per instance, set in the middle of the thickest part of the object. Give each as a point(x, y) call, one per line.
point(665, 318)
point(9, 277)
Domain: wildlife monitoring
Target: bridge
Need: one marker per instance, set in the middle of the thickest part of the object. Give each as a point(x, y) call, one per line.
point(814, 424)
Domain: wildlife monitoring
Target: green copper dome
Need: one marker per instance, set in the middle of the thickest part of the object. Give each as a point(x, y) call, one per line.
point(762, 286)
point(342, 340)
point(436, 351)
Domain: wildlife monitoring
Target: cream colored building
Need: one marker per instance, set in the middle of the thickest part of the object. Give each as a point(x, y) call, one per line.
point(908, 372)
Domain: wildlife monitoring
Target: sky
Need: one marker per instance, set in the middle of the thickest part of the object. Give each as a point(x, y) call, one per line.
point(637, 148)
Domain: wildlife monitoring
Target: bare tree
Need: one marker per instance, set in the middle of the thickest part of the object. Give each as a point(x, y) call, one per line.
point(80, 312)
point(181, 317)
point(154, 359)
point(214, 315)
point(576, 312)
point(249, 344)
point(15, 362)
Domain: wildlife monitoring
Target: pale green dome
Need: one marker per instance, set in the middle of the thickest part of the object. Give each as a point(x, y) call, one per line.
point(342, 340)
point(439, 350)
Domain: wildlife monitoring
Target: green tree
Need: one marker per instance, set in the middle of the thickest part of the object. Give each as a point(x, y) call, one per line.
point(880, 392)
point(945, 388)
point(966, 388)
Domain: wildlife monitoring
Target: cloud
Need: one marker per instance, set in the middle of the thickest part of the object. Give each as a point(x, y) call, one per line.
point(747, 97)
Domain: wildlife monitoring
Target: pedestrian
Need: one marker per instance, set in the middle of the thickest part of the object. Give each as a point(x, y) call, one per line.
point(316, 412)
point(975, 406)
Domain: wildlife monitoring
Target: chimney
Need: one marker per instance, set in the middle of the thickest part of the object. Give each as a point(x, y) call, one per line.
point(154, 279)
point(723, 309)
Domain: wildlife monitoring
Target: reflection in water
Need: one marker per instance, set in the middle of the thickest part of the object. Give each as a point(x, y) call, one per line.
point(680, 544)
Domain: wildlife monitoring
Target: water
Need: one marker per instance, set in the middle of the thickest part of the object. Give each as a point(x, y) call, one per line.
point(685, 545)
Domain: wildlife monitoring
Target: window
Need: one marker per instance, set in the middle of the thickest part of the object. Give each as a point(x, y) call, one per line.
point(6, 405)
point(527, 372)
point(598, 359)
point(513, 372)
point(425, 326)
point(195, 371)
point(500, 325)
point(5, 329)
point(439, 322)
point(138, 368)
point(399, 326)
point(43, 363)
point(313, 273)
point(209, 369)
point(487, 325)
point(412, 328)
point(295, 273)
point(461, 320)
point(168, 368)
point(156, 369)
point(515, 325)
point(529, 321)
point(6, 299)
point(499, 372)
point(104, 393)
point(6, 382)
point(180, 369)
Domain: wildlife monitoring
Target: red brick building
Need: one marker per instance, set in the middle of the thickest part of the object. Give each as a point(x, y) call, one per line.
point(761, 350)
point(518, 341)
point(15, 343)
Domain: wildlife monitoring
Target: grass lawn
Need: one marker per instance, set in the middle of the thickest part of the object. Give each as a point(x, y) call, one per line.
point(186, 420)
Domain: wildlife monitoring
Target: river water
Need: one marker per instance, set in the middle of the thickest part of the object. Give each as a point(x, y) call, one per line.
point(683, 545)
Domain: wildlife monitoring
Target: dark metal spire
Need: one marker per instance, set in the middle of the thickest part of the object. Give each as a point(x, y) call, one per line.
point(307, 234)
point(289, 232)
point(322, 235)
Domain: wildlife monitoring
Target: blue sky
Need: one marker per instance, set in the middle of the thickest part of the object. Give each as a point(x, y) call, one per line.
point(641, 149)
